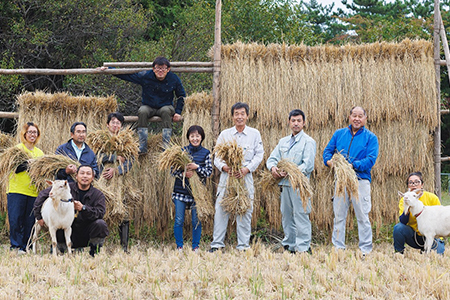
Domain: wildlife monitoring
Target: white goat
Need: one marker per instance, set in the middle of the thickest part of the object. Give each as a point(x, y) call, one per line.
point(57, 213)
point(432, 221)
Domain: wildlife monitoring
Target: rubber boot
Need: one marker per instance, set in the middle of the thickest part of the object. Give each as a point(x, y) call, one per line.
point(166, 135)
point(143, 136)
point(124, 233)
point(95, 245)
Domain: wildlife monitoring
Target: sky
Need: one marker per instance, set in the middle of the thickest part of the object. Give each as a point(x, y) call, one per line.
point(337, 4)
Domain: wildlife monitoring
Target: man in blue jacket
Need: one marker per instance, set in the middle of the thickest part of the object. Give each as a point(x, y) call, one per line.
point(77, 150)
point(360, 147)
point(158, 88)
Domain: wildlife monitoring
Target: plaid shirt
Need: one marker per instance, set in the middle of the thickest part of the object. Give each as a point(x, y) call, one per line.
point(202, 171)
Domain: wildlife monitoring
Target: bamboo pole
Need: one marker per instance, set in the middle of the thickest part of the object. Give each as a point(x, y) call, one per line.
point(216, 73)
point(149, 64)
point(437, 131)
point(95, 71)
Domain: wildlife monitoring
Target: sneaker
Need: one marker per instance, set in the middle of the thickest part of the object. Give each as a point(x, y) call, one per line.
point(180, 249)
point(213, 249)
point(21, 252)
point(196, 250)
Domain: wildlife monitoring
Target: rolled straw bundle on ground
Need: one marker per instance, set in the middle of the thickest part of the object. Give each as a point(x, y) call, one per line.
point(344, 177)
point(10, 159)
point(45, 168)
point(175, 158)
point(236, 200)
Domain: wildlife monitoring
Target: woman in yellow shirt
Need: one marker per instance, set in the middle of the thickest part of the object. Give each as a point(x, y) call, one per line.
point(21, 193)
point(406, 230)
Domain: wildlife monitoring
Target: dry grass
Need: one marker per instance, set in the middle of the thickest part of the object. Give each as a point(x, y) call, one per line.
point(160, 272)
point(45, 168)
point(10, 159)
point(326, 82)
point(299, 182)
point(236, 200)
point(344, 177)
point(55, 113)
point(123, 144)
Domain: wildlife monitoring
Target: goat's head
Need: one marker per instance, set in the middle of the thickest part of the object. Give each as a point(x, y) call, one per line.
point(60, 189)
point(410, 198)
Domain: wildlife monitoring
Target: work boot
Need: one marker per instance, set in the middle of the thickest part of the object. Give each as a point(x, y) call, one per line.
point(166, 135)
point(124, 233)
point(95, 244)
point(143, 136)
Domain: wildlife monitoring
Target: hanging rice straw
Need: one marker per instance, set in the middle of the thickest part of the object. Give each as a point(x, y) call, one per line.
point(236, 200)
point(45, 168)
point(10, 159)
point(344, 177)
point(202, 197)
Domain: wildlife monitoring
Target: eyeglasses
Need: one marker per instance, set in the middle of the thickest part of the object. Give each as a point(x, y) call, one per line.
point(417, 182)
point(32, 132)
point(160, 69)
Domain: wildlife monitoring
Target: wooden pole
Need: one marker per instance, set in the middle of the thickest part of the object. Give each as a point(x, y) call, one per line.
point(95, 71)
point(149, 64)
point(216, 73)
point(437, 131)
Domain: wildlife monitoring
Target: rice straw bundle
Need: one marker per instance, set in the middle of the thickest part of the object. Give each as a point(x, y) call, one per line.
point(344, 177)
point(174, 158)
point(123, 144)
point(231, 153)
point(202, 197)
point(6, 141)
point(236, 200)
point(269, 184)
point(299, 182)
point(45, 168)
point(113, 189)
point(10, 159)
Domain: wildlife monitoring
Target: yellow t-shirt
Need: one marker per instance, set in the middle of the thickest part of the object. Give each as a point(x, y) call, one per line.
point(428, 199)
point(20, 183)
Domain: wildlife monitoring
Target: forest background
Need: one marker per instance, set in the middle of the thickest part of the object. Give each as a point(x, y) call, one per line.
point(85, 33)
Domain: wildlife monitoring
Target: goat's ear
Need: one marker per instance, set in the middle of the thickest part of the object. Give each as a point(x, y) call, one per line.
point(49, 182)
point(400, 194)
point(419, 193)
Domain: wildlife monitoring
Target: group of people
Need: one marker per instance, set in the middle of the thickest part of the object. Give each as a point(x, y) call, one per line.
point(356, 143)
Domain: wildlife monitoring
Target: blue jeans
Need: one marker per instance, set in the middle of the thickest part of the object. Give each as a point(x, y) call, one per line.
point(405, 234)
point(21, 219)
point(180, 210)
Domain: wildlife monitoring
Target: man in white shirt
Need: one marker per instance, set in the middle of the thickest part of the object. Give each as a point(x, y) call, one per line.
point(250, 140)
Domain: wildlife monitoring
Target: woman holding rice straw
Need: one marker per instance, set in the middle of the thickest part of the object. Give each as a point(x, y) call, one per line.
point(300, 149)
point(359, 146)
point(182, 193)
point(21, 193)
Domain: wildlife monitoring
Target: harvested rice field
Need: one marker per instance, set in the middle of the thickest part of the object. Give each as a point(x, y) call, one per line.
point(161, 272)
